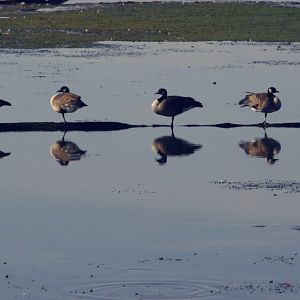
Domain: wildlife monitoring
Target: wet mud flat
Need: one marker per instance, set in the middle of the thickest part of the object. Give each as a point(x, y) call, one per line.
point(268, 185)
point(95, 280)
point(83, 25)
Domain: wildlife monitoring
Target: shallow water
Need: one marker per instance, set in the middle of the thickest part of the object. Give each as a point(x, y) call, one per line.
point(120, 221)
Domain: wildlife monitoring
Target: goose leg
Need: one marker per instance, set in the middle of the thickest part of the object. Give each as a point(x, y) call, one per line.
point(64, 117)
point(265, 124)
point(265, 131)
point(63, 138)
point(172, 123)
point(172, 132)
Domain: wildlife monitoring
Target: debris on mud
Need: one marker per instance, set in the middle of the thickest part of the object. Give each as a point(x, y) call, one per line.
point(269, 184)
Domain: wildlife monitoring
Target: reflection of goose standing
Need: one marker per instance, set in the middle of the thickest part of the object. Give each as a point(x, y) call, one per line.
point(262, 102)
point(66, 102)
point(171, 146)
point(262, 147)
point(171, 106)
point(4, 103)
point(66, 151)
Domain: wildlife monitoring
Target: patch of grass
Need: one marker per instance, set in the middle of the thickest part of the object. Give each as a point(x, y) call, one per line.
point(148, 22)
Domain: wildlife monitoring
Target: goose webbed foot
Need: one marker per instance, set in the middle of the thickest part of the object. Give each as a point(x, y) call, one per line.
point(264, 124)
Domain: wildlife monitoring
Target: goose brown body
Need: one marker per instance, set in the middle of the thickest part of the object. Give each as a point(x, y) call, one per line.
point(171, 146)
point(262, 102)
point(171, 106)
point(66, 151)
point(262, 147)
point(65, 102)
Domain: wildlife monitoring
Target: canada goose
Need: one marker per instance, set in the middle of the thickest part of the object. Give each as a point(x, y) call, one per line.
point(66, 102)
point(171, 106)
point(66, 151)
point(4, 103)
point(171, 146)
point(262, 147)
point(262, 102)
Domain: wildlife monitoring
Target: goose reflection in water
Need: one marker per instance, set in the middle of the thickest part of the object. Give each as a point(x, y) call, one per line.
point(171, 146)
point(3, 154)
point(66, 151)
point(262, 147)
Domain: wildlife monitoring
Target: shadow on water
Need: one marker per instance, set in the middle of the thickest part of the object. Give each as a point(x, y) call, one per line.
point(262, 147)
point(111, 126)
point(169, 145)
point(66, 151)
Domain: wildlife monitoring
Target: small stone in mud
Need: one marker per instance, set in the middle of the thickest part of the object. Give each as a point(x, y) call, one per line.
point(91, 290)
point(6, 276)
point(214, 82)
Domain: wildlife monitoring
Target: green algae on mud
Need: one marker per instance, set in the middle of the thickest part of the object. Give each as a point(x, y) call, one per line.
point(81, 26)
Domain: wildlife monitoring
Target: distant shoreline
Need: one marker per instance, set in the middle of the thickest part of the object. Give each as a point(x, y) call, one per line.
point(33, 26)
point(288, 3)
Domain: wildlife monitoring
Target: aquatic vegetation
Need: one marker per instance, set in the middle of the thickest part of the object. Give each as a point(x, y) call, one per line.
point(81, 26)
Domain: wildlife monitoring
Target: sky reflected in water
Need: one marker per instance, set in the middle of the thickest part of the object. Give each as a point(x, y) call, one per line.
point(85, 214)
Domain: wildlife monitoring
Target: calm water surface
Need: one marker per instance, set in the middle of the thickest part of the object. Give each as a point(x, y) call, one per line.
point(202, 219)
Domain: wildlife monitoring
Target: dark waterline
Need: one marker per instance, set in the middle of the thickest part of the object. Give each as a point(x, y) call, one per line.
point(112, 126)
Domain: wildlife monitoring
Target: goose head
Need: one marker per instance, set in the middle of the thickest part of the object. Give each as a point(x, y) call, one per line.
point(163, 93)
point(272, 90)
point(64, 89)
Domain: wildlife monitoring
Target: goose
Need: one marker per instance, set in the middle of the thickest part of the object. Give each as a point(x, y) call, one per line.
point(262, 102)
point(4, 103)
point(171, 146)
point(171, 106)
point(66, 151)
point(65, 102)
point(263, 148)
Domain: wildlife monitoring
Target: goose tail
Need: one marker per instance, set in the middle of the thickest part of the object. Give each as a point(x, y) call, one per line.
point(3, 102)
point(82, 104)
point(243, 102)
point(198, 104)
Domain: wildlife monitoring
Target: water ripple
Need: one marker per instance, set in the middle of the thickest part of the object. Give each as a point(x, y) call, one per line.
point(157, 290)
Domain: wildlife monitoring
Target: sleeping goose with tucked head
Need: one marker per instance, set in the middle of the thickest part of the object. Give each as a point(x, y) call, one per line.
point(262, 102)
point(66, 151)
point(171, 106)
point(262, 147)
point(65, 102)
